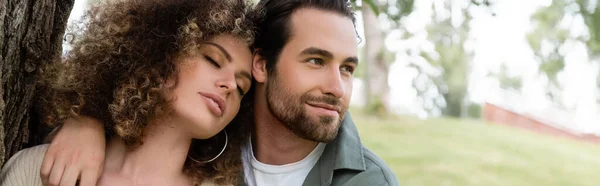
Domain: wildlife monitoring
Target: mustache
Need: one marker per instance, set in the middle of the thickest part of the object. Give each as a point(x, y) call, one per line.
point(327, 99)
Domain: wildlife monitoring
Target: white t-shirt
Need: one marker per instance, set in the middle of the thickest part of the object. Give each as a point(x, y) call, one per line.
point(260, 174)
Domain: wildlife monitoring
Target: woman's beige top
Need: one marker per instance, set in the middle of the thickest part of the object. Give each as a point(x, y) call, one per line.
point(23, 168)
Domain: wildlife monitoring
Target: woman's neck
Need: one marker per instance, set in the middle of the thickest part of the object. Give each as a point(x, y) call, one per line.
point(158, 161)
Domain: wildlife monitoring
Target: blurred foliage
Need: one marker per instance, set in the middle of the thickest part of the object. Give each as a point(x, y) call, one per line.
point(392, 10)
point(451, 64)
point(507, 81)
point(547, 31)
point(591, 17)
point(548, 37)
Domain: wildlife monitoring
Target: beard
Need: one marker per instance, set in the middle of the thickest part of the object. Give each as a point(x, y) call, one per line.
point(290, 110)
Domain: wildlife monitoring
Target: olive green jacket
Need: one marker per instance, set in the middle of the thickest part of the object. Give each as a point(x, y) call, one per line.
point(345, 161)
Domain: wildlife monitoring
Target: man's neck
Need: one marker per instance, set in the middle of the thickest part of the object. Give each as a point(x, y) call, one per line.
point(275, 144)
point(160, 159)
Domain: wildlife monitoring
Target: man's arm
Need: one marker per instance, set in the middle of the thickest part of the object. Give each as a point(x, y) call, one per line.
point(76, 152)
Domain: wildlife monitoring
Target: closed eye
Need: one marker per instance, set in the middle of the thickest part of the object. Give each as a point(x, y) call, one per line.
point(240, 90)
point(212, 61)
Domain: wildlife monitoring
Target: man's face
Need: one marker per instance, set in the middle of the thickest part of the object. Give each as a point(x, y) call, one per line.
point(310, 89)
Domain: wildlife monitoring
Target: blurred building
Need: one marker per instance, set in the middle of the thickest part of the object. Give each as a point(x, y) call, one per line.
point(513, 110)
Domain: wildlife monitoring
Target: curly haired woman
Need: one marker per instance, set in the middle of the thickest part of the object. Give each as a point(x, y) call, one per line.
point(160, 74)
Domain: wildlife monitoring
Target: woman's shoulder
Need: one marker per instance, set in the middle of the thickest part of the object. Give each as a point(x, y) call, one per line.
point(23, 168)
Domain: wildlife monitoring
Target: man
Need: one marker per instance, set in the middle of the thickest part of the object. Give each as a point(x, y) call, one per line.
point(303, 66)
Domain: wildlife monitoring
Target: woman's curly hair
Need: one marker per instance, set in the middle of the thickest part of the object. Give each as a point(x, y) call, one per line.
point(123, 52)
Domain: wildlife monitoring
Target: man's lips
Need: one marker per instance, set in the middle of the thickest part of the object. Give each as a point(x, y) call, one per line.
point(219, 103)
point(325, 106)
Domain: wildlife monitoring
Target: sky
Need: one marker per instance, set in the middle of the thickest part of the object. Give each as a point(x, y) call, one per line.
point(495, 40)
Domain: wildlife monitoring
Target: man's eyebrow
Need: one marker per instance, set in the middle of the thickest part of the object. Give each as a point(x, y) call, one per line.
point(227, 55)
point(351, 60)
point(327, 54)
point(316, 51)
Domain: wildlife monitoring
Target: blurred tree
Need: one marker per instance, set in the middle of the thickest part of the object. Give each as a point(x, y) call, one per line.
point(450, 62)
point(376, 68)
point(376, 62)
point(546, 40)
point(591, 17)
point(590, 11)
point(475, 111)
point(507, 81)
point(548, 37)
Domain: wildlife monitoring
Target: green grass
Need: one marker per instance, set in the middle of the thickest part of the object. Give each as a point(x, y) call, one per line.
point(451, 152)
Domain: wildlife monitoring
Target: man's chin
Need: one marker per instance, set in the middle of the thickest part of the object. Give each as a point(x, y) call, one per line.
point(325, 120)
point(325, 136)
point(324, 131)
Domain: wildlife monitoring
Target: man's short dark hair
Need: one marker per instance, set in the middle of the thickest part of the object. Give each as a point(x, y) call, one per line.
point(274, 30)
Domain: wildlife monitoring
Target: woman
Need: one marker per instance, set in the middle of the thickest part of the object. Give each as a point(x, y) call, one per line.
point(158, 73)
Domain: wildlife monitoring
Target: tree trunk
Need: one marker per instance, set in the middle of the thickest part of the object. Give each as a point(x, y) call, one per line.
point(376, 82)
point(31, 33)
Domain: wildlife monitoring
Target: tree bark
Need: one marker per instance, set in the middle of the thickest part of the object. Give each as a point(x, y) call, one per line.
point(376, 76)
point(31, 33)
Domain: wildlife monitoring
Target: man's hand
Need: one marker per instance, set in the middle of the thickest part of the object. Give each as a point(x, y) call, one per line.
point(76, 152)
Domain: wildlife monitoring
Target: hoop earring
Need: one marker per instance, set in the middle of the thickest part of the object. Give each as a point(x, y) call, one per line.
point(213, 159)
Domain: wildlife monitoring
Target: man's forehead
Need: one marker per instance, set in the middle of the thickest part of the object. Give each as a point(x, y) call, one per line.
point(318, 18)
point(327, 30)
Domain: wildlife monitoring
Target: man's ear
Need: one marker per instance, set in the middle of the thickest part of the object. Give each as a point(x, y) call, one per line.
point(259, 67)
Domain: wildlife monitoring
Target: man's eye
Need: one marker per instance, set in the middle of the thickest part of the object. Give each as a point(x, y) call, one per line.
point(315, 61)
point(348, 69)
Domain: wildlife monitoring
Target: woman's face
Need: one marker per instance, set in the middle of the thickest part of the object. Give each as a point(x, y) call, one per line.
point(211, 85)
